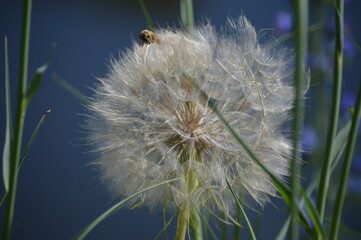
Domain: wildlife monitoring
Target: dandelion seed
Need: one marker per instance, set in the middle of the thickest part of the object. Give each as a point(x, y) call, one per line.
point(149, 123)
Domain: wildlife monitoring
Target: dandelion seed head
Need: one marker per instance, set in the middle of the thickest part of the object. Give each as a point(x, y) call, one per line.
point(149, 123)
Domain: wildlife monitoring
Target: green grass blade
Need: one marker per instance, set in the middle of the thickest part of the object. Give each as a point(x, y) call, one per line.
point(301, 13)
point(283, 232)
point(352, 40)
point(314, 215)
point(83, 233)
point(71, 89)
point(32, 138)
point(166, 225)
point(186, 10)
point(146, 14)
point(253, 235)
point(279, 184)
point(8, 128)
point(346, 229)
point(206, 224)
point(335, 106)
point(28, 145)
point(19, 120)
point(340, 144)
point(338, 207)
point(35, 84)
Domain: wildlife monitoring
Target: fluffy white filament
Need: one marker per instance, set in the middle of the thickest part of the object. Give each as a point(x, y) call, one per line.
point(149, 123)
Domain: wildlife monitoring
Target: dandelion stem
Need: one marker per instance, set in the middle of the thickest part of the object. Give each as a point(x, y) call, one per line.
point(20, 117)
point(336, 95)
point(183, 217)
point(301, 46)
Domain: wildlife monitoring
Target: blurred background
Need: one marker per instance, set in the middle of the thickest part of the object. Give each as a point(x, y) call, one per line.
point(58, 191)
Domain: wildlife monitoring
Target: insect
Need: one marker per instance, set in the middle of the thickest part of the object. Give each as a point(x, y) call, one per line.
point(148, 37)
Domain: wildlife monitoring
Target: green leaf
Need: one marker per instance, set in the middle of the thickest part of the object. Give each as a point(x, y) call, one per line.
point(71, 89)
point(253, 235)
point(146, 14)
point(166, 225)
point(35, 84)
point(8, 128)
point(313, 214)
point(206, 224)
point(283, 233)
point(32, 138)
point(83, 233)
point(339, 144)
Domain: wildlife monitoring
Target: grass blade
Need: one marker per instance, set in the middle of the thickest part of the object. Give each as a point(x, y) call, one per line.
point(166, 225)
point(209, 229)
point(32, 138)
point(28, 145)
point(71, 89)
point(340, 144)
point(337, 212)
point(35, 84)
point(19, 120)
point(146, 14)
point(313, 214)
point(335, 107)
point(83, 233)
point(8, 128)
point(253, 235)
point(279, 184)
point(301, 13)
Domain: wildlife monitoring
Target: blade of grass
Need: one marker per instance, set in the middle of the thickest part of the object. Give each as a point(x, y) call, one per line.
point(346, 229)
point(8, 128)
point(281, 186)
point(71, 89)
point(146, 14)
point(313, 214)
point(27, 148)
point(253, 235)
point(83, 233)
point(35, 84)
point(186, 10)
point(206, 224)
point(32, 138)
point(336, 95)
point(166, 225)
point(337, 211)
point(301, 13)
point(340, 144)
point(352, 40)
point(19, 120)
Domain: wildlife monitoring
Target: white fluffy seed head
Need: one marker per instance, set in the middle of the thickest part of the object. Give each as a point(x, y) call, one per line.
point(149, 123)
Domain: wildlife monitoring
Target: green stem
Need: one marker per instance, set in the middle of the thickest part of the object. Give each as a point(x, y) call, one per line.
point(196, 224)
point(182, 224)
point(20, 117)
point(301, 48)
point(186, 8)
point(336, 95)
point(337, 212)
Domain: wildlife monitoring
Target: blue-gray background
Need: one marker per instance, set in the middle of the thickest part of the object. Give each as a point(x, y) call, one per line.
point(58, 193)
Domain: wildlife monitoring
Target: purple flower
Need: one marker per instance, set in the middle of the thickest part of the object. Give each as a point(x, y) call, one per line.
point(283, 22)
point(309, 139)
point(347, 101)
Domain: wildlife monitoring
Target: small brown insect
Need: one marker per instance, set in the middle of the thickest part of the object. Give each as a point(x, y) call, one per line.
point(148, 37)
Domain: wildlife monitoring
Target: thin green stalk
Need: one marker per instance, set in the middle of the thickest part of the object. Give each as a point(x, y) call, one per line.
point(336, 95)
point(196, 224)
point(146, 14)
point(186, 8)
point(301, 48)
point(337, 211)
point(20, 117)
